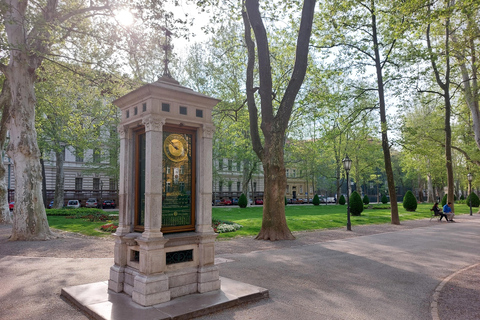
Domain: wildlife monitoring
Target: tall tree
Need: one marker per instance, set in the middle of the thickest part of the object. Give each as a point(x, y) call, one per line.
point(273, 125)
point(35, 32)
point(368, 32)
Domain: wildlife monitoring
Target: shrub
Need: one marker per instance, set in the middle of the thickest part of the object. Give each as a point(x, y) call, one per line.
point(356, 204)
point(316, 200)
point(409, 201)
point(475, 200)
point(342, 200)
point(444, 199)
point(462, 197)
point(384, 199)
point(366, 200)
point(72, 212)
point(242, 201)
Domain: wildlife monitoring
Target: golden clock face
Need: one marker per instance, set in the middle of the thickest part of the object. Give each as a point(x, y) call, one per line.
point(175, 147)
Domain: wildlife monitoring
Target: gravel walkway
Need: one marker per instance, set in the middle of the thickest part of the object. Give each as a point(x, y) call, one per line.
point(458, 297)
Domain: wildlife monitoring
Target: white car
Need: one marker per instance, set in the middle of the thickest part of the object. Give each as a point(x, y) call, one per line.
point(73, 204)
point(91, 203)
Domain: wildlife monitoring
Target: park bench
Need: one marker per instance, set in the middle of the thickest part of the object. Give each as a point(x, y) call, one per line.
point(437, 215)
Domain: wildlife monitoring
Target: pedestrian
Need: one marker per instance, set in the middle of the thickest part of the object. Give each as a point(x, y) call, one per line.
point(447, 210)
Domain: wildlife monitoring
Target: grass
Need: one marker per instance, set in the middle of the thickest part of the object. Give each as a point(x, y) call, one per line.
point(309, 217)
point(82, 226)
point(299, 218)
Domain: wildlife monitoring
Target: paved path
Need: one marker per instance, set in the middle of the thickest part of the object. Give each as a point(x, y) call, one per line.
point(374, 272)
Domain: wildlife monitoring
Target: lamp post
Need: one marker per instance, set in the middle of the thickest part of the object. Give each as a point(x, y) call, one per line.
point(347, 164)
point(101, 194)
point(470, 178)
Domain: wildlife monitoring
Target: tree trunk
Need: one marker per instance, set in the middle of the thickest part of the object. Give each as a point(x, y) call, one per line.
point(430, 197)
point(29, 218)
point(5, 100)
point(383, 120)
point(59, 178)
point(274, 225)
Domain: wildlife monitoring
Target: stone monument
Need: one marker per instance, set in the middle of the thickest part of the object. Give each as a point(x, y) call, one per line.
point(164, 245)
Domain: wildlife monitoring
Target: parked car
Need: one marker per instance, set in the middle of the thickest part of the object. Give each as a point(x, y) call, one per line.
point(91, 203)
point(108, 204)
point(73, 204)
point(235, 201)
point(225, 202)
point(11, 205)
point(258, 201)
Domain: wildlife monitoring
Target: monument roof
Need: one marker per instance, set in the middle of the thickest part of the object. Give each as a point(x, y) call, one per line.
point(165, 87)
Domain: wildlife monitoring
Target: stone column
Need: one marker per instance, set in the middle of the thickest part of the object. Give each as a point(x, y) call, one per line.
point(124, 188)
point(204, 191)
point(153, 176)
point(117, 271)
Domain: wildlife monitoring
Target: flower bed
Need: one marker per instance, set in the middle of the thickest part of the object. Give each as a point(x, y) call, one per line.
point(220, 226)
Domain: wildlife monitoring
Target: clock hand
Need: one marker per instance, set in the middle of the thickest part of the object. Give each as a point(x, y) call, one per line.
point(176, 148)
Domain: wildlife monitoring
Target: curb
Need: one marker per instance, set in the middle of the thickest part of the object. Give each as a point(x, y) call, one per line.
point(438, 290)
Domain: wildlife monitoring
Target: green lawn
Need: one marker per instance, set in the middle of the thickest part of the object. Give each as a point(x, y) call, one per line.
point(309, 217)
point(82, 226)
point(299, 218)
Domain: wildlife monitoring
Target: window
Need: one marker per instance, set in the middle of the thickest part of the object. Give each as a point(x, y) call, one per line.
point(230, 165)
point(112, 184)
point(288, 188)
point(254, 186)
point(135, 111)
point(78, 183)
point(78, 155)
point(165, 107)
point(169, 189)
point(220, 186)
point(183, 110)
point(199, 113)
point(301, 189)
point(239, 166)
point(288, 173)
point(238, 186)
point(220, 164)
point(144, 107)
point(128, 114)
point(96, 155)
point(230, 186)
point(168, 170)
point(294, 173)
point(96, 184)
point(182, 169)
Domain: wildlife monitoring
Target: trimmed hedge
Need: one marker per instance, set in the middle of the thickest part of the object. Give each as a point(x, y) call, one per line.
point(384, 199)
point(356, 204)
point(409, 201)
point(366, 200)
point(342, 200)
point(475, 200)
point(316, 200)
point(242, 201)
point(72, 212)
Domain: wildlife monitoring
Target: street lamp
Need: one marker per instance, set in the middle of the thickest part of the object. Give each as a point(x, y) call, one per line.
point(470, 178)
point(101, 194)
point(347, 164)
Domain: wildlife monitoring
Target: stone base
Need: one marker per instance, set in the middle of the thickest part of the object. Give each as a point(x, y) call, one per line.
point(97, 302)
